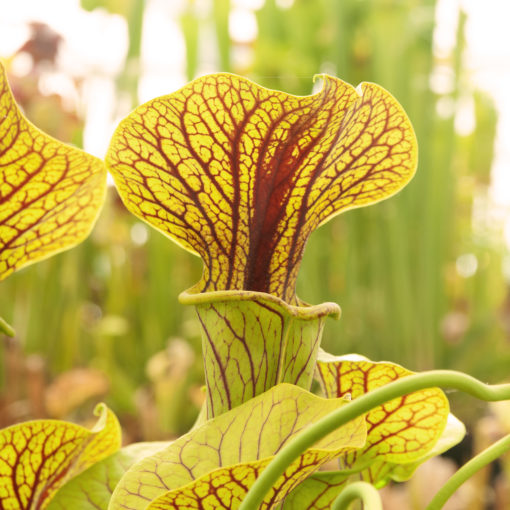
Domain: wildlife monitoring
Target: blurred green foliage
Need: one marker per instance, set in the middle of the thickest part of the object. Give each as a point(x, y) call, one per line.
point(393, 267)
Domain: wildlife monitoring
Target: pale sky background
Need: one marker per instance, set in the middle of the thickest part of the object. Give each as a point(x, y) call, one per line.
point(96, 43)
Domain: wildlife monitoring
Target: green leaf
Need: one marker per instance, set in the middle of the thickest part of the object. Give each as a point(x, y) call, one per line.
point(50, 193)
point(92, 489)
point(242, 175)
point(253, 341)
point(214, 465)
point(38, 457)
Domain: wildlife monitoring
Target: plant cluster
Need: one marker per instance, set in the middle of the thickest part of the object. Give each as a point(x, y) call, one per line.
point(241, 176)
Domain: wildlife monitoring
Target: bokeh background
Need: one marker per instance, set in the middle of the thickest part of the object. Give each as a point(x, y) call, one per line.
point(423, 279)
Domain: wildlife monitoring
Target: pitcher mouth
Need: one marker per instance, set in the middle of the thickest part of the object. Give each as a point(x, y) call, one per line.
point(303, 311)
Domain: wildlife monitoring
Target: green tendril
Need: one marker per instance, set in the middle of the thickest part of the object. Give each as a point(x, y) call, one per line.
point(358, 490)
point(468, 470)
point(435, 378)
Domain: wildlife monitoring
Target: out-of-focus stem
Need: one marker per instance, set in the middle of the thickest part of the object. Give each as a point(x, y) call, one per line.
point(190, 31)
point(128, 80)
point(221, 12)
point(468, 470)
point(6, 328)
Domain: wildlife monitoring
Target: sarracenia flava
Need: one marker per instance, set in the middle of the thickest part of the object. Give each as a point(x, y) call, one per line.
point(239, 175)
point(242, 175)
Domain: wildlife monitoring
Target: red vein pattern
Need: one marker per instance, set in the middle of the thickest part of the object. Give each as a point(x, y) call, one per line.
point(241, 175)
point(38, 457)
point(401, 431)
point(50, 193)
point(262, 344)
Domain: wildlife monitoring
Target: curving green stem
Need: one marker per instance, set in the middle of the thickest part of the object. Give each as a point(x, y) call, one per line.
point(358, 407)
point(468, 470)
point(6, 328)
point(358, 490)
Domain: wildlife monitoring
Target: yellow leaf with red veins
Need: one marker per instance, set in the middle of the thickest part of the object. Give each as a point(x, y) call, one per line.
point(38, 457)
point(403, 431)
point(241, 175)
point(319, 491)
point(50, 193)
point(214, 465)
point(225, 488)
